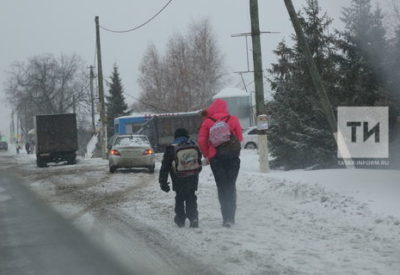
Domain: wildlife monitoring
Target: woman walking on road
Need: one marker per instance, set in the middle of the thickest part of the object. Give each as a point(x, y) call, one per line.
point(219, 140)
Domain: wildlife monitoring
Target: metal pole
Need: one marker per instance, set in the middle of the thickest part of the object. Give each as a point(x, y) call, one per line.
point(101, 92)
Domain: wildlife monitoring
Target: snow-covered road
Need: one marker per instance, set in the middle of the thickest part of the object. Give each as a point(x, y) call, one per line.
point(299, 222)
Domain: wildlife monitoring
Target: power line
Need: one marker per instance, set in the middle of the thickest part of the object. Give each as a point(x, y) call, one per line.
point(141, 25)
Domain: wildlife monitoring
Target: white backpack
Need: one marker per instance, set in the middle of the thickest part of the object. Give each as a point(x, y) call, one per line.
point(186, 161)
point(220, 132)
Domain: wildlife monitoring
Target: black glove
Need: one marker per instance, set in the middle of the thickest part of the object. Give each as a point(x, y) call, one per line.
point(165, 187)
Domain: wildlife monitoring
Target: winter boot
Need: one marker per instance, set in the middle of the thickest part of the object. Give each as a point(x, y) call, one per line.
point(179, 222)
point(227, 224)
point(194, 223)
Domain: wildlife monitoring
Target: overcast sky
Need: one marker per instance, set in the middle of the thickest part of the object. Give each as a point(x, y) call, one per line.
point(29, 28)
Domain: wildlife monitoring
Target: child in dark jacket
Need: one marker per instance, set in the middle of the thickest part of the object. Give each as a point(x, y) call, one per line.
point(185, 186)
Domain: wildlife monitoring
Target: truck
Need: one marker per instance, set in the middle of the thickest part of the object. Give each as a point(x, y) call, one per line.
point(159, 128)
point(56, 138)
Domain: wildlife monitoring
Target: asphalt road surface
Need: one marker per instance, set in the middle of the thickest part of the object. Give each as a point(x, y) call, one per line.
point(36, 240)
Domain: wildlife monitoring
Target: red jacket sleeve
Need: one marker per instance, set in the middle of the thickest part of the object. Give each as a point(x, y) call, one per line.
point(202, 137)
point(237, 128)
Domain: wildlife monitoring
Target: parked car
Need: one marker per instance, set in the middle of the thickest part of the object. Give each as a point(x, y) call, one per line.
point(3, 145)
point(250, 138)
point(130, 151)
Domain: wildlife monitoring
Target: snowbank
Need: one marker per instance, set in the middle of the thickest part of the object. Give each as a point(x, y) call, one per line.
point(91, 147)
point(298, 222)
point(380, 189)
point(309, 222)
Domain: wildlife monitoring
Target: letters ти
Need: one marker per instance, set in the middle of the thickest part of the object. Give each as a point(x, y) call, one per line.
point(366, 133)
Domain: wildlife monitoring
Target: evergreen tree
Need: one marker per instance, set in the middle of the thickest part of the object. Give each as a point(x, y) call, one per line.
point(300, 136)
point(369, 63)
point(362, 62)
point(115, 101)
point(393, 72)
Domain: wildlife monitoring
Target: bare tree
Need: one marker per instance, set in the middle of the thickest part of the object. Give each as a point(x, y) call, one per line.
point(187, 77)
point(151, 80)
point(47, 85)
point(207, 61)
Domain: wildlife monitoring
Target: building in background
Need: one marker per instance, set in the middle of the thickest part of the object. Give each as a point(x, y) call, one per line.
point(239, 104)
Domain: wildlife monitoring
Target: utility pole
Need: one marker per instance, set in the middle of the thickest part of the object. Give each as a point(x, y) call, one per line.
point(316, 78)
point(259, 86)
point(257, 58)
point(92, 99)
point(18, 127)
point(12, 128)
point(73, 104)
point(103, 131)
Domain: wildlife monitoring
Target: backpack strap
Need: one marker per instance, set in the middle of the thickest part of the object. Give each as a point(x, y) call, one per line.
point(227, 118)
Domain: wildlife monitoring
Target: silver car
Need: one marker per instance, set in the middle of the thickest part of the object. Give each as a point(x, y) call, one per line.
point(128, 151)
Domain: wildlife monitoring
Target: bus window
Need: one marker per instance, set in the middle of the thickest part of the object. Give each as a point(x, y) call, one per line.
point(116, 128)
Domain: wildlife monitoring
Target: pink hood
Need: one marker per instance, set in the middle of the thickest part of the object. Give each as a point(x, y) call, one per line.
point(219, 106)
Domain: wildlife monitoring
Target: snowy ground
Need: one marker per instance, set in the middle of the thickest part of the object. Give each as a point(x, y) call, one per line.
point(298, 222)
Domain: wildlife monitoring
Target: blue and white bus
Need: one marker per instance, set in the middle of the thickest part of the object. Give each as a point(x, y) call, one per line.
point(159, 128)
point(130, 124)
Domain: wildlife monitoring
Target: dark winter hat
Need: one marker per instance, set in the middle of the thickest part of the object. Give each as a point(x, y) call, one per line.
point(181, 132)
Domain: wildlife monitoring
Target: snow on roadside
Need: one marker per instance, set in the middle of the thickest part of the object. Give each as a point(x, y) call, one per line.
point(380, 189)
point(298, 222)
point(91, 147)
point(284, 225)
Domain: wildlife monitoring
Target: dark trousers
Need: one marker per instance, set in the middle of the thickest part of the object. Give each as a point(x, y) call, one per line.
point(186, 204)
point(225, 172)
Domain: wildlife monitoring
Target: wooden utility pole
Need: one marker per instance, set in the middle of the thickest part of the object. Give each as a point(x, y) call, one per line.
point(12, 128)
point(103, 131)
point(316, 78)
point(73, 104)
point(92, 99)
point(257, 58)
point(259, 85)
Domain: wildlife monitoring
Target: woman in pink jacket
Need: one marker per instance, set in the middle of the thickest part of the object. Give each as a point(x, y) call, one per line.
point(224, 164)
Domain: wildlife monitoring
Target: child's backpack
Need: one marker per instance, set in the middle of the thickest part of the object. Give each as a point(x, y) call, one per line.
point(222, 139)
point(186, 161)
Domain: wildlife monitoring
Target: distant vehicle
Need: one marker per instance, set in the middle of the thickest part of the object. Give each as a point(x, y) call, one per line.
point(56, 138)
point(3, 145)
point(130, 124)
point(129, 151)
point(250, 138)
point(159, 128)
